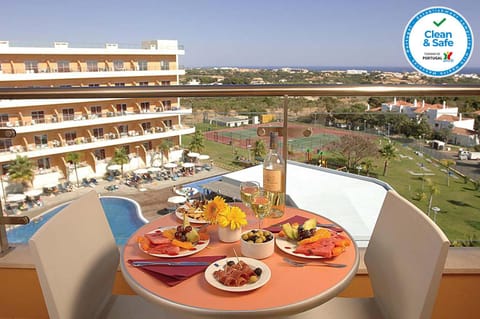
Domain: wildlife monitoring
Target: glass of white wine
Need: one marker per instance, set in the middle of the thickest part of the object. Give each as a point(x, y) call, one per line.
point(261, 205)
point(247, 190)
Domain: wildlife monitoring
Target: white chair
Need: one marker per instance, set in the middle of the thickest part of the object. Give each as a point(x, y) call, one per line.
point(405, 259)
point(76, 259)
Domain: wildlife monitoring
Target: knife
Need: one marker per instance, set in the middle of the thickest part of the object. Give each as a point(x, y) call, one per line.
point(169, 263)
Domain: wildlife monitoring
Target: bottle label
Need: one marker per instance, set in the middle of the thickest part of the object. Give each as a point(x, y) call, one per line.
point(272, 180)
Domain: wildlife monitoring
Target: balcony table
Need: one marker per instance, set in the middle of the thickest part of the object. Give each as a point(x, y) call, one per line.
point(290, 290)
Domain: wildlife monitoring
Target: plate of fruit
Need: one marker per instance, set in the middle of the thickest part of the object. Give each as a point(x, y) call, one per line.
point(237, 274)
point(173, 241)
point(309, 241)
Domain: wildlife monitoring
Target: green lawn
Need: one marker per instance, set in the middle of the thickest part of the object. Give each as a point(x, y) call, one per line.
point(459, 203)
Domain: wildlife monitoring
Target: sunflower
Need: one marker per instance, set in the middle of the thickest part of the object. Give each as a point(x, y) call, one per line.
point(232, 216)
point(212, 208)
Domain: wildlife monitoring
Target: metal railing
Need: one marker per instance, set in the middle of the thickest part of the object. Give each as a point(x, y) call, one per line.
point(229, 91)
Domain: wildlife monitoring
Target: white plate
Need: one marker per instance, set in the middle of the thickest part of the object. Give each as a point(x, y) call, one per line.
point(183, 252)
point(179, 214)
point(288, 247)
point(253, 263)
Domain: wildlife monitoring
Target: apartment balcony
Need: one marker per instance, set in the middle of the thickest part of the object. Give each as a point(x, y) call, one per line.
point(53, 74)
point(83, 144)
point(458, 293)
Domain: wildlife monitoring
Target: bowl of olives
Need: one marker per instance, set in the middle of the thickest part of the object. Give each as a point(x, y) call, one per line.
point(257, 243)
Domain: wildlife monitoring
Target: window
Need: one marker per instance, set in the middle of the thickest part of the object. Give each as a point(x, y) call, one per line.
point(41, 140)
point(43, 163)
point(31, 66)
point(70, 137)
point(68, 114)
point(121, 108)
point(123, 129)
point(167, 104)
point(118, 65)
point(98, 132)
point(5, 144)
point(168, 123)
point(96, 111)
point(38, 116)
point(93, 85)
point(148, 145)
point(142, 83)
point(165, 82)
point(142, 65)
point(145, 106)
point(99, 154)
point(63, 66)
point(120, 84)
point(4, 120)
point(92, 66)
point(146, 126)
point(164, 65)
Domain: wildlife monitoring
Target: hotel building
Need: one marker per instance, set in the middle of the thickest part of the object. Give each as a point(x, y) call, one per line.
point(48, 130)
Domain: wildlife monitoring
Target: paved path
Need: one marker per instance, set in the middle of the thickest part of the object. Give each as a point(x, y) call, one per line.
point(152, 199)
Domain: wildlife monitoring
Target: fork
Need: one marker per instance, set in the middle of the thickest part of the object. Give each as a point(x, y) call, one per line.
point(317, 263)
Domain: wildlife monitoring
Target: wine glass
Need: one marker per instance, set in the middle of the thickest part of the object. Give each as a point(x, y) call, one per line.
point(247, 190)
point(261, 205)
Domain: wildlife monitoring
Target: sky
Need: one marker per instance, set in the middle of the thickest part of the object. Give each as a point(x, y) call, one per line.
point(234, 33)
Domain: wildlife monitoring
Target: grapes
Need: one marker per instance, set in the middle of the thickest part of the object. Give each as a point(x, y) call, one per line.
point(305, 233)
point(181, 233)
point(258, 271)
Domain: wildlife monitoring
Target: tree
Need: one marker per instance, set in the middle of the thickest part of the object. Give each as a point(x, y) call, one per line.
point(197, 144)
point(21, 171)
point(433, 191)
point(120, 157)
point(388, 152)
point(164, 148)
point(447, 163)
point(258, 149)
point(353, 148)
point(368, 165)
point(74, 158)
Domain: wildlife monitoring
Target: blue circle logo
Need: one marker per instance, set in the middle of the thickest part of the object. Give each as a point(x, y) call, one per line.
point(438, 42)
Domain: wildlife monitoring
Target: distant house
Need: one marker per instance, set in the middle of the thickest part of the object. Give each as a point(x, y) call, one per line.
point(257, 81)
point(228, 121)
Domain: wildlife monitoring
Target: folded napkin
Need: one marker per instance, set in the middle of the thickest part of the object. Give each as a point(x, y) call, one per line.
point(278, 226)
point(173, 275)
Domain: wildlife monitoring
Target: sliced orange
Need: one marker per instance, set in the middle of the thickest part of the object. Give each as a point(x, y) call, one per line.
point(319, 234)
point(182, 244)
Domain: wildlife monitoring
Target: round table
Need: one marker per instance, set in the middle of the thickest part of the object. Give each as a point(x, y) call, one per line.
point(177, 199)
point(291, 290)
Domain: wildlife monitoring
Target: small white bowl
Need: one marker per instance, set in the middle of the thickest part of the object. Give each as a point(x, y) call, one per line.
point(257, 250)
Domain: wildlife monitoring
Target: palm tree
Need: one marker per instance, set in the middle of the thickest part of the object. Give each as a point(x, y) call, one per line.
point(447, 163)
point(74, 158)
point(368, 165)
point(433, 190)
point(197, 144)
point(164, 148)
point(21, 171)
point(259, 149)
point(388, 152)
point(120, 157)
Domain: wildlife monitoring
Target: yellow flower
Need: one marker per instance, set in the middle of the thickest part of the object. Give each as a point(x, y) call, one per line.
point(232, 216)
point(213, 207)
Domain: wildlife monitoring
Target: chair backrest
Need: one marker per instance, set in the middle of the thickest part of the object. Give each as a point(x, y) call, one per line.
point(405, 259)
point(76, 259)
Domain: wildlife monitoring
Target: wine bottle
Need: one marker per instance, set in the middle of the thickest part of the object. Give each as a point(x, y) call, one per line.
point(273, 171)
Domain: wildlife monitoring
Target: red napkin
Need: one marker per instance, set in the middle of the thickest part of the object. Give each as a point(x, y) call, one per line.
point(278, 226)
point(173, 275)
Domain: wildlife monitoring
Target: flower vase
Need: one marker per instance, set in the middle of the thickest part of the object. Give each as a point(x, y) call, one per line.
point(228, 235)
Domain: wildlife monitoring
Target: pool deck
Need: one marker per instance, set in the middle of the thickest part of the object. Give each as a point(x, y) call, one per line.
point(151, 197)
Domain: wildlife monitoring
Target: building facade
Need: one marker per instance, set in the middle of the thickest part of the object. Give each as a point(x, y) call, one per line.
point(48, 130)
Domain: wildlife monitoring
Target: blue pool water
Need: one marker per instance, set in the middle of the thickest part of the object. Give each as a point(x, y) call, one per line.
point(198, 184)
point(123, 214)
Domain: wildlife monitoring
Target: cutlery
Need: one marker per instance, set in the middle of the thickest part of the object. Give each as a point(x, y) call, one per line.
point(313, 263)
point(333, 227)
point(169, 263)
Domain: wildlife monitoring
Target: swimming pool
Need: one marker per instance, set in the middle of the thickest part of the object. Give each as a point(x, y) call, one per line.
point(124, 217)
